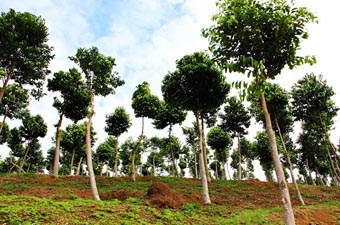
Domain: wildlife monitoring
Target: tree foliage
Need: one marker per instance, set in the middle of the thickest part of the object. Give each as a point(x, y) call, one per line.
point(144, 103)
point(118, 122)
point(24, 53)
point(75, 98)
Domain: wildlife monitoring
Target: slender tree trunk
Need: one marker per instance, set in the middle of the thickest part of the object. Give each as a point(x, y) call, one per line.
point(133, 175)
point(195, 164)
point(239, 157)
point(57, 147)
point(89, 153)
point(310, 173)
point(285, 196)
point(3, 89)
point(216, 170)
point(72, 159)
point(205, 153)
point(153, 167)
point(205, 189)
point(78, 167)
point(290, 164)
point(3, 122)
point(332, 164)
point(23, 159)
point(172, 153)
point(115, 168)
point(224, 170)
point(331, 144)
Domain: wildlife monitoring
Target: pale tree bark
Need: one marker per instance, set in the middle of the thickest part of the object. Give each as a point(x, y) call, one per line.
point(57, 147)
point(290, 164)
point(172, 154)
point(332, 147)
point(115, 168)
point(285, 196)
point(224, 170)
point(239, 157)
point(205, 153)
point(24, 159)
point(78, 167)
point(89, 153)
point(133, 157)
point(72, 159)
point(195, 164)
point(204, 181)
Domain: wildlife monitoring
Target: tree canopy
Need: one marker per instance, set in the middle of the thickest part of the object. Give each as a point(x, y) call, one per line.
point(24, 53)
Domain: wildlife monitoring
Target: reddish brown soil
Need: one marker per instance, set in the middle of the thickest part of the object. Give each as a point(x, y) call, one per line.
point(154, 192)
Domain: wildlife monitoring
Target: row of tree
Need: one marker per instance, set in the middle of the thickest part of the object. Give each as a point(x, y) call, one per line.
point(256, 38)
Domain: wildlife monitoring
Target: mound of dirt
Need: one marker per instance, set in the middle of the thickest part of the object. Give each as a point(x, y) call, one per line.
point(160, 195)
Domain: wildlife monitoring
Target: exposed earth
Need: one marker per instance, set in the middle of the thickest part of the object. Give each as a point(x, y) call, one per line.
point(164, 193)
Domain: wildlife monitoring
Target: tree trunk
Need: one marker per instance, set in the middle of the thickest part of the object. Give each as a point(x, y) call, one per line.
point(285, 196)
point(23, 159)
point(153, 167)
point(224, 170)
point(195, 164)
point(205, 190)
point(310, 174)
point(331, 144)
point(89, 153)
point(239, 157)
point(72, 159)
point(205, 153)
point(172, 153)
point(3, 89)
point(3, 122)
point(115, 168)
point(57, 147)
point(290, 164)
point(133, 175)
point(78, 167)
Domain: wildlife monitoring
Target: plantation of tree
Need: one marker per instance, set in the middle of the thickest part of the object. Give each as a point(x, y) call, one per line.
point(209, 165)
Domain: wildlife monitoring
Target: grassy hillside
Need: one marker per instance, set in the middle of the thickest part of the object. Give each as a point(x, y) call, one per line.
point(42, 199)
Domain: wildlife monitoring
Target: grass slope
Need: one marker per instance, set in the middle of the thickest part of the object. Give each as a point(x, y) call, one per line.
point(42, 199)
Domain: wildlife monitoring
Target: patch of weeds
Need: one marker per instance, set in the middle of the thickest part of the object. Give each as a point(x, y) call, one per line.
point(251, 217)
point(191, 207)
point(134, 200)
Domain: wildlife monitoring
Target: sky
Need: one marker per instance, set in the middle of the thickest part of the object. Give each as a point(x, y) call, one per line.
point(146, 37)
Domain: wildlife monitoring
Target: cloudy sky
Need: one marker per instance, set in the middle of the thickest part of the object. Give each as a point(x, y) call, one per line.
point(146, 37)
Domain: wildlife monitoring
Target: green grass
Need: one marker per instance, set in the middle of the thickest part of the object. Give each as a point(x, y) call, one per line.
point(237, 202)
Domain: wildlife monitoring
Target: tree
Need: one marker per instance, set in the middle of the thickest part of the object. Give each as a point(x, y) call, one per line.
point(313, 105)
point(260, 38)
point(100, 80)
point(192, 140)
point(169, 116)
point(73, 144)
point(74, 103)
point(24, 53)
point(105, 152)
point(13, 105)
point(4, 134)
point(235, 119)
point(220, 142)
point(28, 133)
point(199, 86)
point(279, 108)
point(116, 124)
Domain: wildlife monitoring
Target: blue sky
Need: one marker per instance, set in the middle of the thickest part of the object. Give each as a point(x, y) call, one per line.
point(146, 37)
